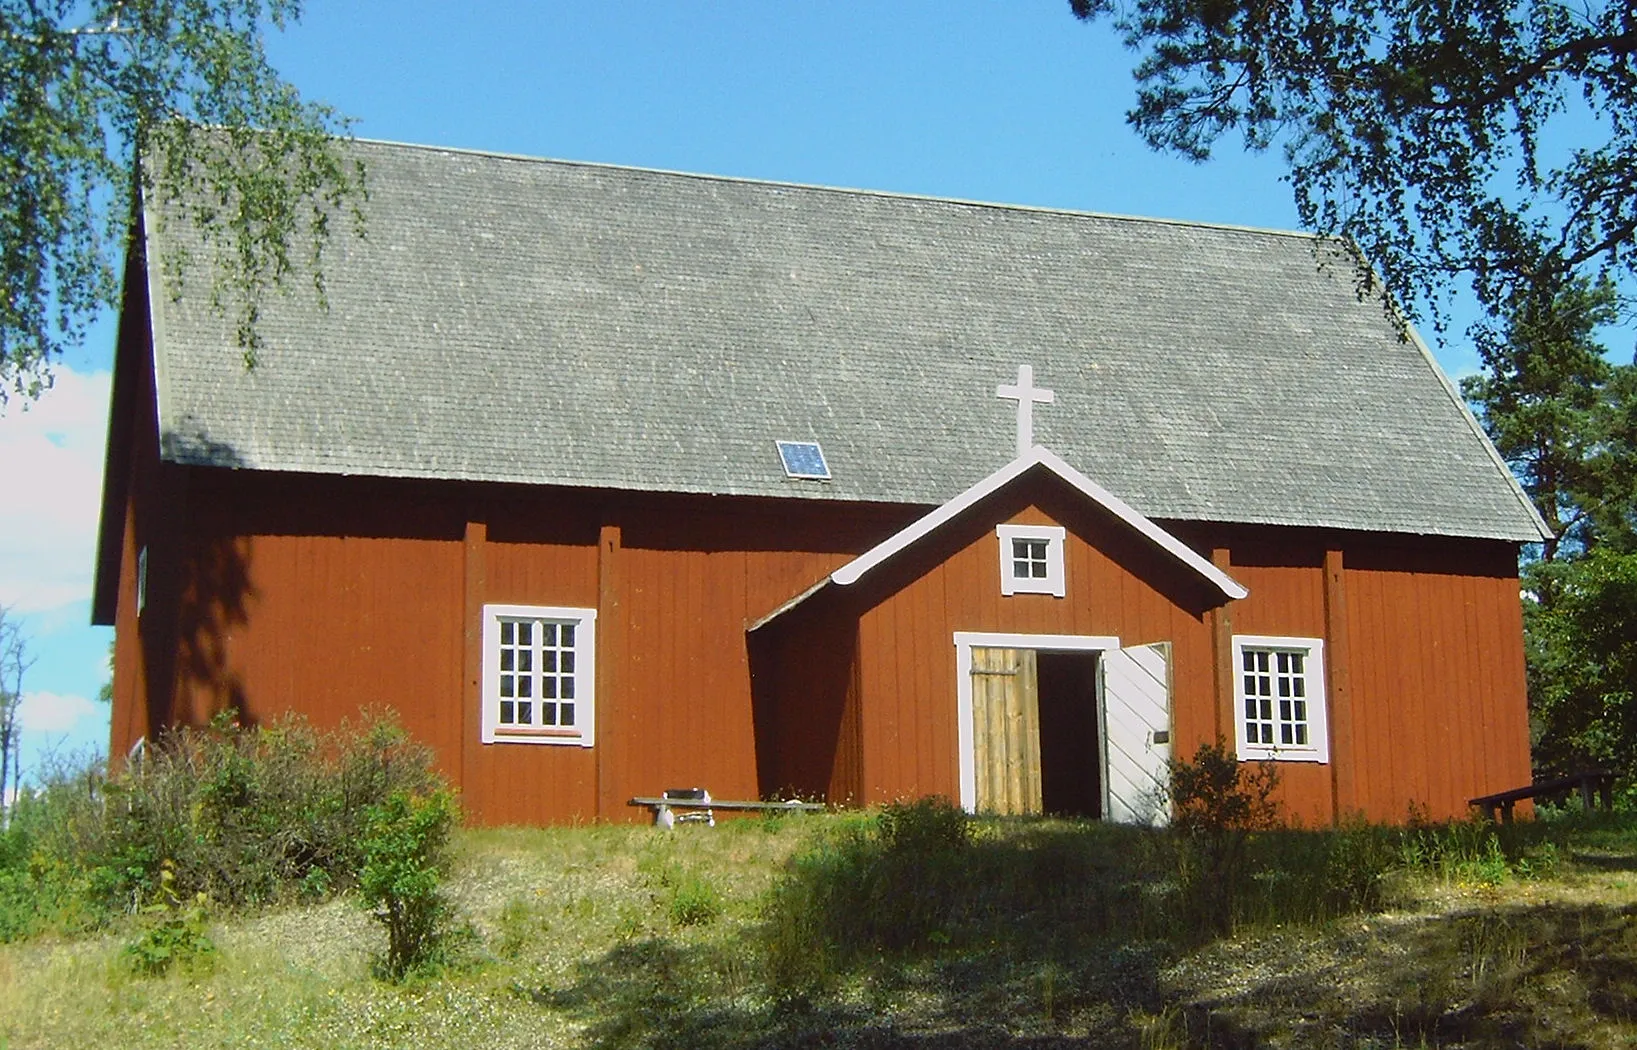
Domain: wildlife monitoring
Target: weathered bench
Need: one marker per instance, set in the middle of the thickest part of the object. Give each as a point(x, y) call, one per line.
point(696, 804)
point(1598, 782)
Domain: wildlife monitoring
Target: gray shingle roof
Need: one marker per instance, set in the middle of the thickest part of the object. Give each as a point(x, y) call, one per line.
point(520, 320)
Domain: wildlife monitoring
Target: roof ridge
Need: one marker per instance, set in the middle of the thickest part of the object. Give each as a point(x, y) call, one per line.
point(852, 191)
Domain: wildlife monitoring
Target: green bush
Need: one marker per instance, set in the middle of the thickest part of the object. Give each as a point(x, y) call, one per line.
point(689, 898)
point(243, 815)
point(1217, 801)
point(43, 882)
point(247, 814)
point(1458, 851)
point(403, 852)
point(694, 901)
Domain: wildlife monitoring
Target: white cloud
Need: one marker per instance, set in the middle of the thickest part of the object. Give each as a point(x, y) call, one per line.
point(44, 712)
point(50, 490)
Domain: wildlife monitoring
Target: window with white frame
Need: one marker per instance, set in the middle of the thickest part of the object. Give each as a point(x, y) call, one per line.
point(141, 580)
point(1280, 699)
point(539, 674)
point(1031, 559)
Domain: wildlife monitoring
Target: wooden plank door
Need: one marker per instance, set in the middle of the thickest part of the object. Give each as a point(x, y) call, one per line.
point(1006, 731)
point(1135, 684)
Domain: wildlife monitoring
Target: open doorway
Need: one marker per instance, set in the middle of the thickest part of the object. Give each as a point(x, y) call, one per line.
point(1071, 781)
point(1067, 725)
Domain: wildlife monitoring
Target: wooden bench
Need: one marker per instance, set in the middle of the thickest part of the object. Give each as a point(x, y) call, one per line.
point(1598, 782)
point(695, 804)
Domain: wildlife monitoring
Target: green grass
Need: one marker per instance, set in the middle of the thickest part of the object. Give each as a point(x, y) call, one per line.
point(1019, 934)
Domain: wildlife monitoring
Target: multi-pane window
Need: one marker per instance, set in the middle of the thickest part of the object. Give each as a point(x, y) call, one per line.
point(1280, 693)
point(1028, 559)
point(538, 665)
point(1031, 559)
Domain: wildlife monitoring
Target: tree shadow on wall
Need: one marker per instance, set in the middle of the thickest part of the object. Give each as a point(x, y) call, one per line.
point(203, 587)
point(213, 605)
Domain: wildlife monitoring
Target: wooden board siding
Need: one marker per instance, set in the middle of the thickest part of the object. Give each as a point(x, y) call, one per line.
point(1285, 574)
point(1117, 586)
point(696, 573)
point(1439, 711)
point(1429, 637)
point(129, 471)
point(1006, 731)
point(319, 595)
point(804, 676)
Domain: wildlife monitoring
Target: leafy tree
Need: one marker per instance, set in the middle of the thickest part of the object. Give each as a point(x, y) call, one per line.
point(86, 86)
point(1492, 137)
point(1583, 663)
point(1565, 418)
point(1551, 402)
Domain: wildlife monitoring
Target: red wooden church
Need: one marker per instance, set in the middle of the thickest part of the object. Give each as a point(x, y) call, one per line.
point(614, 480)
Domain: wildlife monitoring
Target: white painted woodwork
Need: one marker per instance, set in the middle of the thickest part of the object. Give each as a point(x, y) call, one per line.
point(856, 569)
point(1027, 395)
point(1135, 689)
point(968, 642)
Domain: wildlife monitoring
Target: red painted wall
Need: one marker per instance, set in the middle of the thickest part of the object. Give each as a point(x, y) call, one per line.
point(319, 595)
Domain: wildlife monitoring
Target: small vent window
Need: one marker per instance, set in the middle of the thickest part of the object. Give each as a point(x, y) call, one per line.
point(803, 460)
point(1031, 560)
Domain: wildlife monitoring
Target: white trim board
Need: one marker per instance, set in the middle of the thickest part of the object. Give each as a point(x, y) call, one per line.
point(1040, 456)
point(964, 643)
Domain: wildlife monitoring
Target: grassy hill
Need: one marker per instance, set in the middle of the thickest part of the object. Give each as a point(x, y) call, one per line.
point(830, 931)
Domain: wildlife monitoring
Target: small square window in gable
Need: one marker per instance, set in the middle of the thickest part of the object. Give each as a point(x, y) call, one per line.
point(1031, 559)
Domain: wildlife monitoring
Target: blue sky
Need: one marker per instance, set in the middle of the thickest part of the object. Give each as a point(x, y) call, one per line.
point(1013, 102)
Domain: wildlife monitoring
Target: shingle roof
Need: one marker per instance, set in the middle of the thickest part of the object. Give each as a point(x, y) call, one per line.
point(520, 320)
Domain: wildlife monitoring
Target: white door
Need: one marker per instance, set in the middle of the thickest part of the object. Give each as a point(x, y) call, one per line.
point(1135, 692)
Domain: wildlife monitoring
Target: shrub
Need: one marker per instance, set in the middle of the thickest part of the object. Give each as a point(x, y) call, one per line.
point(403, 851)
point(43, 883)
point(1217, 802)
point(243, 815)
point(689, 898)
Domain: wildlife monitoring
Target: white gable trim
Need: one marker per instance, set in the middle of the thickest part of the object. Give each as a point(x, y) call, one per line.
point(1039, 456)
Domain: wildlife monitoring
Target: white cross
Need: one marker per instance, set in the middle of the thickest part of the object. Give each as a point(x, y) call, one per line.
point(1026, 394)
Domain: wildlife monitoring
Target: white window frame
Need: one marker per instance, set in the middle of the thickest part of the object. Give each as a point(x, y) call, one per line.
point(141, 580)
point(1054, 582)
point(584, 621)
point(1317, 748)
point(966, 733)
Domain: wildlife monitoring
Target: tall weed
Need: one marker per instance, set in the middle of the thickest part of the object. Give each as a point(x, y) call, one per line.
point(892, 883)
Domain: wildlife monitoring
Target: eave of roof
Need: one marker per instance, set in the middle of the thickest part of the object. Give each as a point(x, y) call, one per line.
point(1037, 458)
point(540, 322)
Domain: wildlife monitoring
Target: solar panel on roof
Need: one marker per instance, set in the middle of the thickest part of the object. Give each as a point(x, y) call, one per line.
point(803, 459)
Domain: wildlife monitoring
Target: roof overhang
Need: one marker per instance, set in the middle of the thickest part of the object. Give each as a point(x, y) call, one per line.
point(1038, 458)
